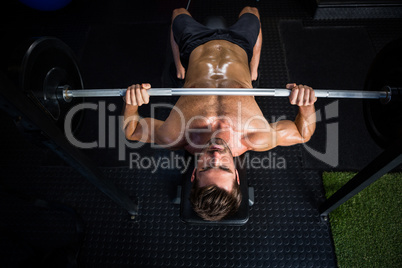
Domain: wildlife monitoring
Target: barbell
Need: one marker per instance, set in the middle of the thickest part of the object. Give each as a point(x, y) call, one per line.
point(48, 73)
point(386, 92)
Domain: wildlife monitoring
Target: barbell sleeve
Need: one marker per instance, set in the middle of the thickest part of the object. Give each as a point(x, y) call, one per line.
point(272, 92)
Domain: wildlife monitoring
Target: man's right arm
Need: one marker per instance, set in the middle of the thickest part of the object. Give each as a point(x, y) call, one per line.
point(147, 130)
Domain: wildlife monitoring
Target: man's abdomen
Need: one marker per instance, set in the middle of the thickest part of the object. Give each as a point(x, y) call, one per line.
point(218, 64)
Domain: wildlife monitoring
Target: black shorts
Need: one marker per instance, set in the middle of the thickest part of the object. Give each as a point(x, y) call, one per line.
point(189, 34)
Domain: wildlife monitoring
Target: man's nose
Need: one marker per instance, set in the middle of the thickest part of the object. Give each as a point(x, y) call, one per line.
point(216, 158)
point(216, 153)
point(214, 162)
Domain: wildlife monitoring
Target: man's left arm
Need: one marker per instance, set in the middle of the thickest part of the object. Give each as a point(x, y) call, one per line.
point(302, 128)
point(287, 132)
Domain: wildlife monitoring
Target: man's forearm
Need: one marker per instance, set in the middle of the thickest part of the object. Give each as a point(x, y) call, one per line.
point(131, 118)
point(305, 122)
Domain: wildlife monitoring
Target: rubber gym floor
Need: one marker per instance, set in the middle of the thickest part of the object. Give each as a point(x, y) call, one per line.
point(51, 215)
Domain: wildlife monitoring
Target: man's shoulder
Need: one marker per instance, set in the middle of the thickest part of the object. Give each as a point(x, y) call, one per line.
point(260, 140)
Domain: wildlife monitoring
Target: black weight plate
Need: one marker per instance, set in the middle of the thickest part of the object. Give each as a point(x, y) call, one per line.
point(384, 121)
point(47, 64)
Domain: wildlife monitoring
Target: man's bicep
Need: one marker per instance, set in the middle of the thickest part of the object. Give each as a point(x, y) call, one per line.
point(150, 130)
point(286, 133)
point(260, 141)
point(171, 135)
point(145, 130)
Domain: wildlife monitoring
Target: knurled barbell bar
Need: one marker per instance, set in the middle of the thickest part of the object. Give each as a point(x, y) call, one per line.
point(385, 94)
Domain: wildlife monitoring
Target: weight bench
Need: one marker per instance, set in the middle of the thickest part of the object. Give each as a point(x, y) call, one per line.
point(188, 215)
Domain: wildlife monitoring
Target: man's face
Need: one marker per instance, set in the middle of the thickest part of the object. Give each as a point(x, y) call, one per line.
point(215, 166)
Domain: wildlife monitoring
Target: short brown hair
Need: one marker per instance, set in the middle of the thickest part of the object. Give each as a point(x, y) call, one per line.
point(213, 203)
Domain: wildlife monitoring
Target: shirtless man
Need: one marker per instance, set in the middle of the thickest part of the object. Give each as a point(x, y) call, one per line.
point(218, 128)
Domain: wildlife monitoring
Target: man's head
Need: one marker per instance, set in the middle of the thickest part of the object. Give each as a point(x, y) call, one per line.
point(216, 186)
